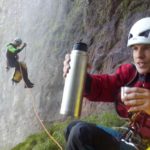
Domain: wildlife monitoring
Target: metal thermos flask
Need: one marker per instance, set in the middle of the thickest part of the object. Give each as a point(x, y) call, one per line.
point(74, 82)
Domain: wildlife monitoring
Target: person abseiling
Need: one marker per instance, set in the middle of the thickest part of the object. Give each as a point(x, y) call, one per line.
point(135, 104)
point(13, 62)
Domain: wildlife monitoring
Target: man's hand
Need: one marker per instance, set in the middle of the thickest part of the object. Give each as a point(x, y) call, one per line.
point(22, 46)
point(25, 44)
point(137, 98)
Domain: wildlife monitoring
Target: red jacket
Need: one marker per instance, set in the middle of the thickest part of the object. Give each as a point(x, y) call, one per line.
point(106, 88)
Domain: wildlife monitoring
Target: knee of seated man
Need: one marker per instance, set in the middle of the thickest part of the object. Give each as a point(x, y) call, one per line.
point(78, 131)
point(69, 128)
point(89, 134)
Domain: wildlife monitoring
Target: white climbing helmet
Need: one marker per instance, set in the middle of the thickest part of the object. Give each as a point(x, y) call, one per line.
point(140, 32)
point(18, 41)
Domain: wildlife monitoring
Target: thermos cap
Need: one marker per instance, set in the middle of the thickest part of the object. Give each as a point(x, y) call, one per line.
point(80, 46)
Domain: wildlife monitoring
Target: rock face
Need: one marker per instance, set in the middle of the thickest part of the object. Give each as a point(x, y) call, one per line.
point(50, 29)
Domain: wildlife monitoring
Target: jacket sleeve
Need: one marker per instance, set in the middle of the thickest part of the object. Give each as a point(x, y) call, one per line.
point(12, 49)
point(103, 87)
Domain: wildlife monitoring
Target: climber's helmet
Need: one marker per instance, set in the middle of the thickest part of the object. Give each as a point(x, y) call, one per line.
point(18, 41)
point(139, 32)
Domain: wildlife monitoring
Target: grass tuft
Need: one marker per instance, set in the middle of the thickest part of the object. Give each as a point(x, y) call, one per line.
point(40, 141)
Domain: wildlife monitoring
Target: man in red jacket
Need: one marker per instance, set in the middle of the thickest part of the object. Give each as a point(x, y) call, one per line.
point(135, 103)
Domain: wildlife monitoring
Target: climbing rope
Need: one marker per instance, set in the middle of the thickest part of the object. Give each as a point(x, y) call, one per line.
point(39, 119)
point(25, 49)
point(43, 126)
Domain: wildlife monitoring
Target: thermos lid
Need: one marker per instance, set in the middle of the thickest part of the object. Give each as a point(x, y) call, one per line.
point(80, 46)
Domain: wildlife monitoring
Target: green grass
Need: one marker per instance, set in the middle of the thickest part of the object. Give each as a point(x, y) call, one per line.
point(40, 141)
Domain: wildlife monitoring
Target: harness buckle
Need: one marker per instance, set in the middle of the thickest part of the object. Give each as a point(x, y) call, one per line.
point(128, 136)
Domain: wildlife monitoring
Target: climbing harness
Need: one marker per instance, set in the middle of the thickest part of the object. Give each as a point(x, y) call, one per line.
point(17, 76)
point(131, 136)
point(131, 129)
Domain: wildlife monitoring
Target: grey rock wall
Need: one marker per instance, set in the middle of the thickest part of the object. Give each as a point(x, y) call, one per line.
point(50, 29)
point(34, 22)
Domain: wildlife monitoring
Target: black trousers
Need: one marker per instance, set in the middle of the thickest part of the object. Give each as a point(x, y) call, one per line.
point(14, 63)
point(85, 136)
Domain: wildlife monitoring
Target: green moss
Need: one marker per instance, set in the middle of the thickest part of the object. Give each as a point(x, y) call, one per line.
point(106, 119)
point(139, 9)
point(126, 4)
point(41, 141)
point(132, 6)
